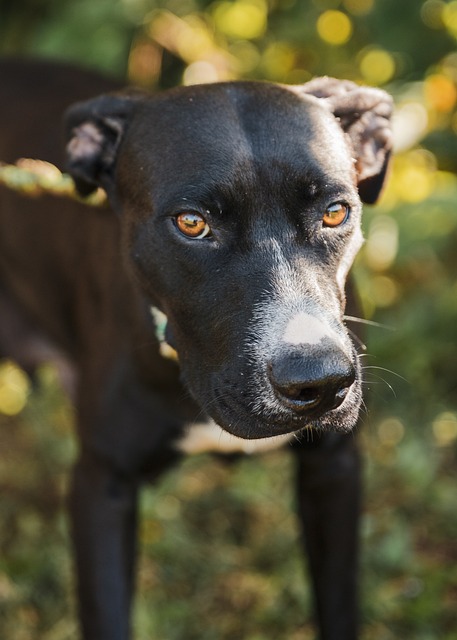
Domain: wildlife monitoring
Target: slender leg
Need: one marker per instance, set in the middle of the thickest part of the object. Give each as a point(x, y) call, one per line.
point(329, 506)
point(103, 512)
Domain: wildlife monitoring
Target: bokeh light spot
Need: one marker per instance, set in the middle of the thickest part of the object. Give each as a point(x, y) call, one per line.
point(409, 125)
point(415, 176)
point(377, 66)
point(385, 291)
point(144, 63)
point(391, 431)
point(243, 19)
point(440, 92)
point(450, 17)
point(334, 27)
point(432, 14)
point(246, 54)
point(14, 389)
point(277, 61)
point(358, 7)
point(381, 246)
point(416, 184)
point(200, 72)
point(445, 428)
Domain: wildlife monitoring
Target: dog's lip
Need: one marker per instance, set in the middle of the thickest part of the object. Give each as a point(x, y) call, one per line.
point(236, 418)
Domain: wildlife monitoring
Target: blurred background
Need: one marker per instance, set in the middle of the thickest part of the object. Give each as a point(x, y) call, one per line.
point(221, 541)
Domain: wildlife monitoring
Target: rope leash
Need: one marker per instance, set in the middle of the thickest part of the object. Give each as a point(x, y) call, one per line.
point(35, 178)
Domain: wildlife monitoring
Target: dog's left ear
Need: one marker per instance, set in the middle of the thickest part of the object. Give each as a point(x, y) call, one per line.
point(364, 114)
point(93, 131)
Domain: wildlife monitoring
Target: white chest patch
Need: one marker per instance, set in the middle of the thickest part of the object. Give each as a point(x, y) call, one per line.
point(208, 437)
point(304, 328)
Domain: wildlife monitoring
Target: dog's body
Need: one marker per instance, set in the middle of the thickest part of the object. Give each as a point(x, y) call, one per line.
point(228, 199)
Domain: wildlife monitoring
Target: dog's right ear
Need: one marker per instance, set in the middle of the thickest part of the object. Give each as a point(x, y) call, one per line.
point(93, 131)
point(364, 114)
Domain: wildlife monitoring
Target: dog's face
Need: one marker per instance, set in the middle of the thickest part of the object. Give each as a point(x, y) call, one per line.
point(241, 212)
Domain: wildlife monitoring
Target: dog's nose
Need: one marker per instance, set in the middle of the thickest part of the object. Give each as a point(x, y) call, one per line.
point(313, 382)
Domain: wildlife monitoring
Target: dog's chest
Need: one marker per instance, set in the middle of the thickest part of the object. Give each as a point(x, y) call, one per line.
point(208, 437)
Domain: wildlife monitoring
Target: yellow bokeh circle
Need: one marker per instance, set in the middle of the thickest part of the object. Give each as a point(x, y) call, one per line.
point(440, 92)
point(391, 431)
point(377, 66)
point(14, 389)
point(334, 27)
point(243, 19)
point(449, 16)
point(445, 428)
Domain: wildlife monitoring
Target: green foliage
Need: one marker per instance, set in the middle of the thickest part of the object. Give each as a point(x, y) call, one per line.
point(221, 540)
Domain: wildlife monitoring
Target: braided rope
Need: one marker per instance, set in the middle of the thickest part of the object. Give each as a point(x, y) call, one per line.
point(34, 178)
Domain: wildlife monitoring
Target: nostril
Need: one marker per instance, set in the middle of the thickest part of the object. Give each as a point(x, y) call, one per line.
point(341, 394)
point(306, 384)
point(299, 394)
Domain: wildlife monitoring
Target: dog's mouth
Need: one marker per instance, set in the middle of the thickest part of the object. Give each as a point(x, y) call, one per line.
point(251, 419)
point(296, 387)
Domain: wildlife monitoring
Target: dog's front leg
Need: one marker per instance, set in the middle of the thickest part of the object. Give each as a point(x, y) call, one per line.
point(329, 505)
point(103, 512)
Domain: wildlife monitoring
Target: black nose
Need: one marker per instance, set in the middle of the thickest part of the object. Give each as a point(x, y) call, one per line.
point(311, 383)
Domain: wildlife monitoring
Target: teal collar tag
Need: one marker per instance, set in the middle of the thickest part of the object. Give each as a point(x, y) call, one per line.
point(160, 321)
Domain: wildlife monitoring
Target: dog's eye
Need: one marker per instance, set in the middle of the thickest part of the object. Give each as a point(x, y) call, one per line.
point(336, 214)
point(192, 225)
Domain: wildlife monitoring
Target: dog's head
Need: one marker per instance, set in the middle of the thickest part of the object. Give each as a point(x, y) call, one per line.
point(240, 205)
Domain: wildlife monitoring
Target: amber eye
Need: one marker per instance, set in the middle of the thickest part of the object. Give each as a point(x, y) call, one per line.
point(335, 214)
point(192, 225)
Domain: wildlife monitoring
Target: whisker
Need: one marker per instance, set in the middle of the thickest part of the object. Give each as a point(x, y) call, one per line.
point(212, 402)
point(373, 382)
point(364, 408)
point(370, 366)
point(299, 436)
point(371, 323)
point(356, 338)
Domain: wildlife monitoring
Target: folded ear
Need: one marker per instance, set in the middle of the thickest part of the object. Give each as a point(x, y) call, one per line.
point(364, 114)
point(94, 130)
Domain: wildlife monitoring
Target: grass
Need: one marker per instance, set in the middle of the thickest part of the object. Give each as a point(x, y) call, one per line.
point(220, 556)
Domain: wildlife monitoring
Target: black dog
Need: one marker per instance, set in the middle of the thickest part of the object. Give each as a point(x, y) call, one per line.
point(238, 218)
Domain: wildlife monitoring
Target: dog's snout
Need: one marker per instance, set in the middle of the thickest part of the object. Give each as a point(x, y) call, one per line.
point(312, 383)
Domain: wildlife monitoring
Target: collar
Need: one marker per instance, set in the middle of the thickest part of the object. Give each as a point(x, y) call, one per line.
point(160, 322)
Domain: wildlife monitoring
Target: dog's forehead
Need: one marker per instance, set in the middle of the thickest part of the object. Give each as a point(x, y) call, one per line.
point(223, 125)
